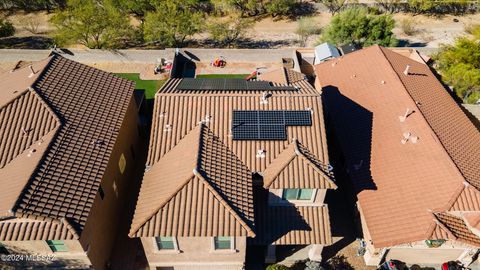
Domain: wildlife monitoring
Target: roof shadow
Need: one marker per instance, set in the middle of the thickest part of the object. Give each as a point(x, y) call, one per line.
point(184, 66)
point(352, 126)
point(270, 225)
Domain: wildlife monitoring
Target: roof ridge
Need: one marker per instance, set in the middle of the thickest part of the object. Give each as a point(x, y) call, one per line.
point(437, 138)
point(302, 155)
point(224, 202)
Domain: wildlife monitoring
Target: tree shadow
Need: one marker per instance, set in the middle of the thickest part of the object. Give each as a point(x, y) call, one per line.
point(31, 42)
point(407, 43)
point(338, 263)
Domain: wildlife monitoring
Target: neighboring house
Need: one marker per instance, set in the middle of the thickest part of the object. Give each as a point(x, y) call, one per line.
point(68, 133)
point(324, 52)
point(234, 163)
point(412, 155)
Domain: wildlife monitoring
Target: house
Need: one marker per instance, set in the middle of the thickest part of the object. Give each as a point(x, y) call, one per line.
point(68, 133)
point(411, 153)
point(324, 52)
point(234, 163)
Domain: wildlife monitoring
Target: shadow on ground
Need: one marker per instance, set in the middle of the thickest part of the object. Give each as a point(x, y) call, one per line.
point(31, 42)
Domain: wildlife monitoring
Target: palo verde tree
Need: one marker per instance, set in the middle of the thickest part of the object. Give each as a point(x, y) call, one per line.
point(96, 24)
point(355, 25)
point(459, 66)
point(172, 22)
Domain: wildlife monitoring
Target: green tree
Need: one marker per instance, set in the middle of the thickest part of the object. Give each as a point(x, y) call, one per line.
point(280, 7)
point(459, 66)
point(137, 7)
point(420, 6)
point(6, 28)
point(307, 27)
point(229, 30)
point(390, 6)
point(355, 25)
point(94, 23)
point(172, 22)
point(334, 6)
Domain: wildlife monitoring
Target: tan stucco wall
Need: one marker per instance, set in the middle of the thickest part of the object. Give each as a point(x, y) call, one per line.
point(424, 255)
point(100, 230)
point(195, 253)
point(75, 255)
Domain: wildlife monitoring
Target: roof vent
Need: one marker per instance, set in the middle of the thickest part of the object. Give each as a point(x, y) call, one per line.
point(261, 153)
point(40, 141)
point(407, 114)
point(162, 114)
point(168, 128)
point(33, 72)
point(26, 131)
point(407, 70)
point(353, 76)
point(147, 168)
point(30, 153)
point(98, 142)
point(382, 82)
point(265, 96)
point(206, 119)
point(407, 136)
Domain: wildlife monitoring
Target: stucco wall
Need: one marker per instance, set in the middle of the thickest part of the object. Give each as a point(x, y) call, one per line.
point(75, 256)
point(101, 228)
point(195, 253)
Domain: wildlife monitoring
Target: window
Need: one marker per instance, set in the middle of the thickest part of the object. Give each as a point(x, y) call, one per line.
point(122, 163)
point(57, 245)
point(435, 243)
point(295, 194)
point(222, 242)
point(165, 243)
point(102, 193)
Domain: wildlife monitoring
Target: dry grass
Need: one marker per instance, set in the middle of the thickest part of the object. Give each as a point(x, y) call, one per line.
point(408, 26)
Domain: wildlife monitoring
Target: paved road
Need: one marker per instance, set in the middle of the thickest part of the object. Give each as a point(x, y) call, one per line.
point(152, 56)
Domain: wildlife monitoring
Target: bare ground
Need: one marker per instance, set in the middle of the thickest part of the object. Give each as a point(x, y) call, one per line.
point(266, 32)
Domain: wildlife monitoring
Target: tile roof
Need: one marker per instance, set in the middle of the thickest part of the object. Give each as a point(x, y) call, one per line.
point(200, 188)
point(458, 227)
point(365, 93)
point(282, 76)
point(161, 209)
point(53, 115)
point(296, 167)
point(290, 225)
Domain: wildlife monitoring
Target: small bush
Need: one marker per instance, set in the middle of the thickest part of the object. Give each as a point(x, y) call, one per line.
point(471, 28)
point(6, 29)
point(31, 24)
point(307, 27)
point(277, 267)
point(408, 26)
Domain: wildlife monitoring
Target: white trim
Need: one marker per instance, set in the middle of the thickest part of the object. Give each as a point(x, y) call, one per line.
point(232, 246)
point(175, 249)
point(312, 199)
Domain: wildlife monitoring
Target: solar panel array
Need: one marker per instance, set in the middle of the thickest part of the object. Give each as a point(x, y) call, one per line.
point(229, 84)
point(267, 125)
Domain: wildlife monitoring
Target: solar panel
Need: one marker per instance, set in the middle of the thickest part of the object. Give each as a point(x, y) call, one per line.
point(267, 125)
point(228, 84)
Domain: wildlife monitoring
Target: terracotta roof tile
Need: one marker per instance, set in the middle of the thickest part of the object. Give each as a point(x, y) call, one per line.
point(296, 167)
point(176, 114)
point(365, 93)
point(457, 226)
point(200, 177)
point(55, 171)
point(290, 225)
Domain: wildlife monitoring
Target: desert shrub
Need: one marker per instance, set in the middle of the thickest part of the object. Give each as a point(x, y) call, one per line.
point(6, 28)
point(408, 26)
point(230, 30)
point(277, 267)
point(307, 27)
point(31, 24)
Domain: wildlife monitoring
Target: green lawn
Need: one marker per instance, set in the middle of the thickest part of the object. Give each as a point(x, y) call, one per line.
point(150, 86)
point(234, 76)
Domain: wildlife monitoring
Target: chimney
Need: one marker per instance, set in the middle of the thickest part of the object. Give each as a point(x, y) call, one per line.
point(404, 117)
point(407, 70)
point(168, 127)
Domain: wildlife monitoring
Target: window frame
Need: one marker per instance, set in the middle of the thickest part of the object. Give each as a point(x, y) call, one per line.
point(297, 200)
point(53, 248)
point(157, 249)
point(225, 250)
